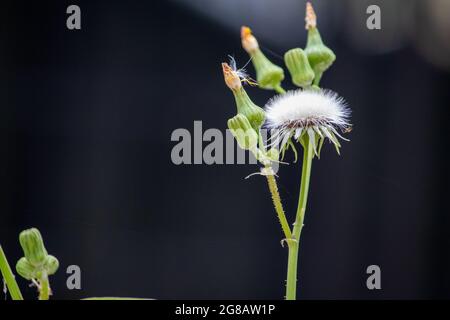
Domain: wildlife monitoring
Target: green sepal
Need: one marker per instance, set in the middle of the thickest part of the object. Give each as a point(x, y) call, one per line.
point(294, 149)
point(321, 140)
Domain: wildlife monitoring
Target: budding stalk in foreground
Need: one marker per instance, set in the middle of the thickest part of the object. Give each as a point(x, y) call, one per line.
point(308, 116)
point(36, 265)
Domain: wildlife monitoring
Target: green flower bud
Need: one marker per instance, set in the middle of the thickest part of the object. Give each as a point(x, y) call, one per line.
point(25, 269)
point(33, 246)
point(51, 265)
point(245, 106)
point(299, 67)
point(245, 135)
point(251, 111)
point(268, 75)
point(320, 56)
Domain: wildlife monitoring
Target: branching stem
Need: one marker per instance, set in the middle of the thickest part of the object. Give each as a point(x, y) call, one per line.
point(279, 207)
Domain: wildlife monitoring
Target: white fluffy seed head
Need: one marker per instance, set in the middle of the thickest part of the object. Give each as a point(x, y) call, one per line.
point(307, 108)
point(314, 113)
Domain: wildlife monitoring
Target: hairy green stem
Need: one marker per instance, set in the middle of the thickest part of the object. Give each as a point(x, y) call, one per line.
point(9, 278)
point(279, 207)
point(276, 199)
point(291, 283)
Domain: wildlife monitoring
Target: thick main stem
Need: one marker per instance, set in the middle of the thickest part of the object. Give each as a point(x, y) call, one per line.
point(8, 275)
point(291, 283)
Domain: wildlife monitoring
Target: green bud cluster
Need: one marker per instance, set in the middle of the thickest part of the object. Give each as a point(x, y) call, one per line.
point(36, 260)
point(306, 67)
point(246, 125)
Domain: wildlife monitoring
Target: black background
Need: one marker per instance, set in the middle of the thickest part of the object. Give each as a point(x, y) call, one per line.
point(86, 119)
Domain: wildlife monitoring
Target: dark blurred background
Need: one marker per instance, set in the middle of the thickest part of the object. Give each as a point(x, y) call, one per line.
point(86, 119)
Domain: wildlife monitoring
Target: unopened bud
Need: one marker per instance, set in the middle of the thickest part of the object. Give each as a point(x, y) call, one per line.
point(320, 56)
point(268, 75)
point(51, 265)
point(25, 269)
point(245, 135)
point(251, 111)
point(37, 262)
point(245, 106)
point(299, 67)
point(33, 246)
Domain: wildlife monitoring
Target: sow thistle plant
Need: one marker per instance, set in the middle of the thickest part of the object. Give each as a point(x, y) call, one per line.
point(306, 116)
